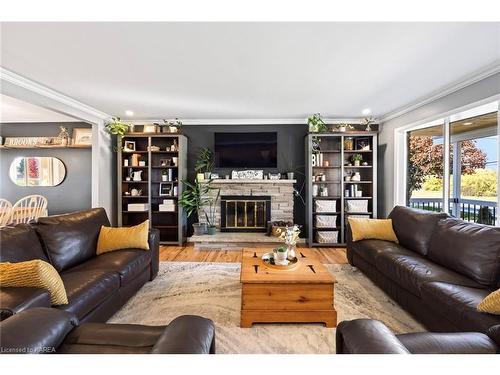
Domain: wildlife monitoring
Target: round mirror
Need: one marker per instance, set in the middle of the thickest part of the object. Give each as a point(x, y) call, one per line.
point(37, 171)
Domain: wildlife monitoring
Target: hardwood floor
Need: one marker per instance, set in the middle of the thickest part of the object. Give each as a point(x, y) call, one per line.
point(187, 253)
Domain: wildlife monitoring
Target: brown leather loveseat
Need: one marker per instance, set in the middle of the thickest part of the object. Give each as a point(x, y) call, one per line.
point(440, 271)
point(97, 286)
point(46, 331)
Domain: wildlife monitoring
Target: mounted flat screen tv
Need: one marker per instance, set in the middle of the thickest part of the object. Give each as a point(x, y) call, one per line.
point(246, 150)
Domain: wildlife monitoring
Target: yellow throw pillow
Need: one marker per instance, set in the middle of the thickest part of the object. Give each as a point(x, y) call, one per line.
point(34, 274)
point(491, 303)
point(111, 239)
point(372, 229)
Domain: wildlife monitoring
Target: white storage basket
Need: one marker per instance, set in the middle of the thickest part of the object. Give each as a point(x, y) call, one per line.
point(326, 221)
point(327, 237)
point(359, 216)
point(360, 205)
point(325, 205)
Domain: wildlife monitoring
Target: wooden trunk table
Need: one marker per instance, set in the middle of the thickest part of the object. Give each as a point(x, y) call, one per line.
point(303, 294)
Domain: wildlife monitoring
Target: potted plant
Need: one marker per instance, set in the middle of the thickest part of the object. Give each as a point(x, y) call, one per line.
point(343, 127)
point(193, 199)
point(174, 126)
point(281, 255)
point(118, 128)
point(205, 162)
point(356, 159)
point(210, 215)
point(316, 124)
point(164, 175)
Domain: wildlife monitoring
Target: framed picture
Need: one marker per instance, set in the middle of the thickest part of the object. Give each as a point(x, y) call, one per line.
point(129, 146)
point(82, 137)
point(165, 190)
point(362, 143)
point(149, 128)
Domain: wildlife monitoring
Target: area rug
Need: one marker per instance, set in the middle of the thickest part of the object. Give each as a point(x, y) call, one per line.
point(213, 290)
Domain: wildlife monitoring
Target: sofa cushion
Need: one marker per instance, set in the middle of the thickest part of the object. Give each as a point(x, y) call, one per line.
point(411, 271)
point(458, 304)
point(370, 249)
point(71, 239)
point(127, 263)
point(470, 249)
point(88, 288)
point(414, 227)
point(19, 244)
point(448, 343)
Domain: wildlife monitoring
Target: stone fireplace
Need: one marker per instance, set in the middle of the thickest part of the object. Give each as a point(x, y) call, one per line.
point(244, 213)
point(270, 200)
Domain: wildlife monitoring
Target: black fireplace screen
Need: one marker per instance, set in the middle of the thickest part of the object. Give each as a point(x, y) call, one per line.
point(241, 213)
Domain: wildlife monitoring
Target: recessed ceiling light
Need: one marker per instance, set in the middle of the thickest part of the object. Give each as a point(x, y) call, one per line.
point(467, 123)
point(366, 111)
point(129, 113)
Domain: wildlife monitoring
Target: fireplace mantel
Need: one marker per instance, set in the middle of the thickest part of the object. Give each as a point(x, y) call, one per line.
point(242, 181)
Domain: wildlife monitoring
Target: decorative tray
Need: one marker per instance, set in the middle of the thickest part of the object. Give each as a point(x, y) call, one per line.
point(268, 259)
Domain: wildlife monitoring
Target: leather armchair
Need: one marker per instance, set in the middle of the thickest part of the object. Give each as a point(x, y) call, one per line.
point(367, 336)
point(45, 330)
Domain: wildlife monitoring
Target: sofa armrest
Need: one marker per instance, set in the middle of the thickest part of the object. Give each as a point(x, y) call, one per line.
point(34, 331)
point(187, 334)
point(15, 300)
point(154, 247)
point(367, 336)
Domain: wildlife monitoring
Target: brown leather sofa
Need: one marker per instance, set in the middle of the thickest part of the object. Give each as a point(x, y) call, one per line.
point(45, 330)
point(97, 286)
point(440, 271)
point(367, 336)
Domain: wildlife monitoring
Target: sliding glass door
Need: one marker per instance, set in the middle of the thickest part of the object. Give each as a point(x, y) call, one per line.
point(452, 165)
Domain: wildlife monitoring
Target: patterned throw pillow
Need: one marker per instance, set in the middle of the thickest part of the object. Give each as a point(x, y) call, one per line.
point(34, 274)
point(491, 303)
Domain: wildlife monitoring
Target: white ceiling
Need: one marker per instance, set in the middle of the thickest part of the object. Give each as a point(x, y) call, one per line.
point(248, 70)
point(15, 110)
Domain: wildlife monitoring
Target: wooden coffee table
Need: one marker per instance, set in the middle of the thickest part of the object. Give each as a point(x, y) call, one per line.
point(304, 294)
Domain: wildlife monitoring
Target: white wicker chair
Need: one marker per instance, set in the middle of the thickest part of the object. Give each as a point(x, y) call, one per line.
point(28, 209)
point(5, 212)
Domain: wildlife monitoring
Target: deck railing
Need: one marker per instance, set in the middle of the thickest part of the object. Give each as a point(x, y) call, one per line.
point(477, 211)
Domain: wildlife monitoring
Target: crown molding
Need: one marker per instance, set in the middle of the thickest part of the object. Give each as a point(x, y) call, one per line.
point(477, 76)
point(240, 121)
point(37, 88)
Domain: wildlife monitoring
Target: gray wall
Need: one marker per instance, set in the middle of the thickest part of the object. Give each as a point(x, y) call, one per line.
point(290, 150)
point(74, 193)
point(480, 90)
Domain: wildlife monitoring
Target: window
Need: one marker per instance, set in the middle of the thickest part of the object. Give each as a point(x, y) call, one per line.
point(451, 165)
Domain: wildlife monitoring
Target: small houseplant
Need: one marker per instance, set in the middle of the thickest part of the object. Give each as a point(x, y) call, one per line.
point(118, 128)
point(343, 127)
point(174, 126)
point(356, 159)
point(164, 175)
point(281, 255)
point(316, 124)
point(205, 162)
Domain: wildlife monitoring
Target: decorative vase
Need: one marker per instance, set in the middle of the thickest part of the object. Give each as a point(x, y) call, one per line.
point(200, 177)
point(211, 230)
point(356, 177)
point(357, 162)
point(291, 252)
point(342, 129)
point(207, 175)
point(290, 175)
